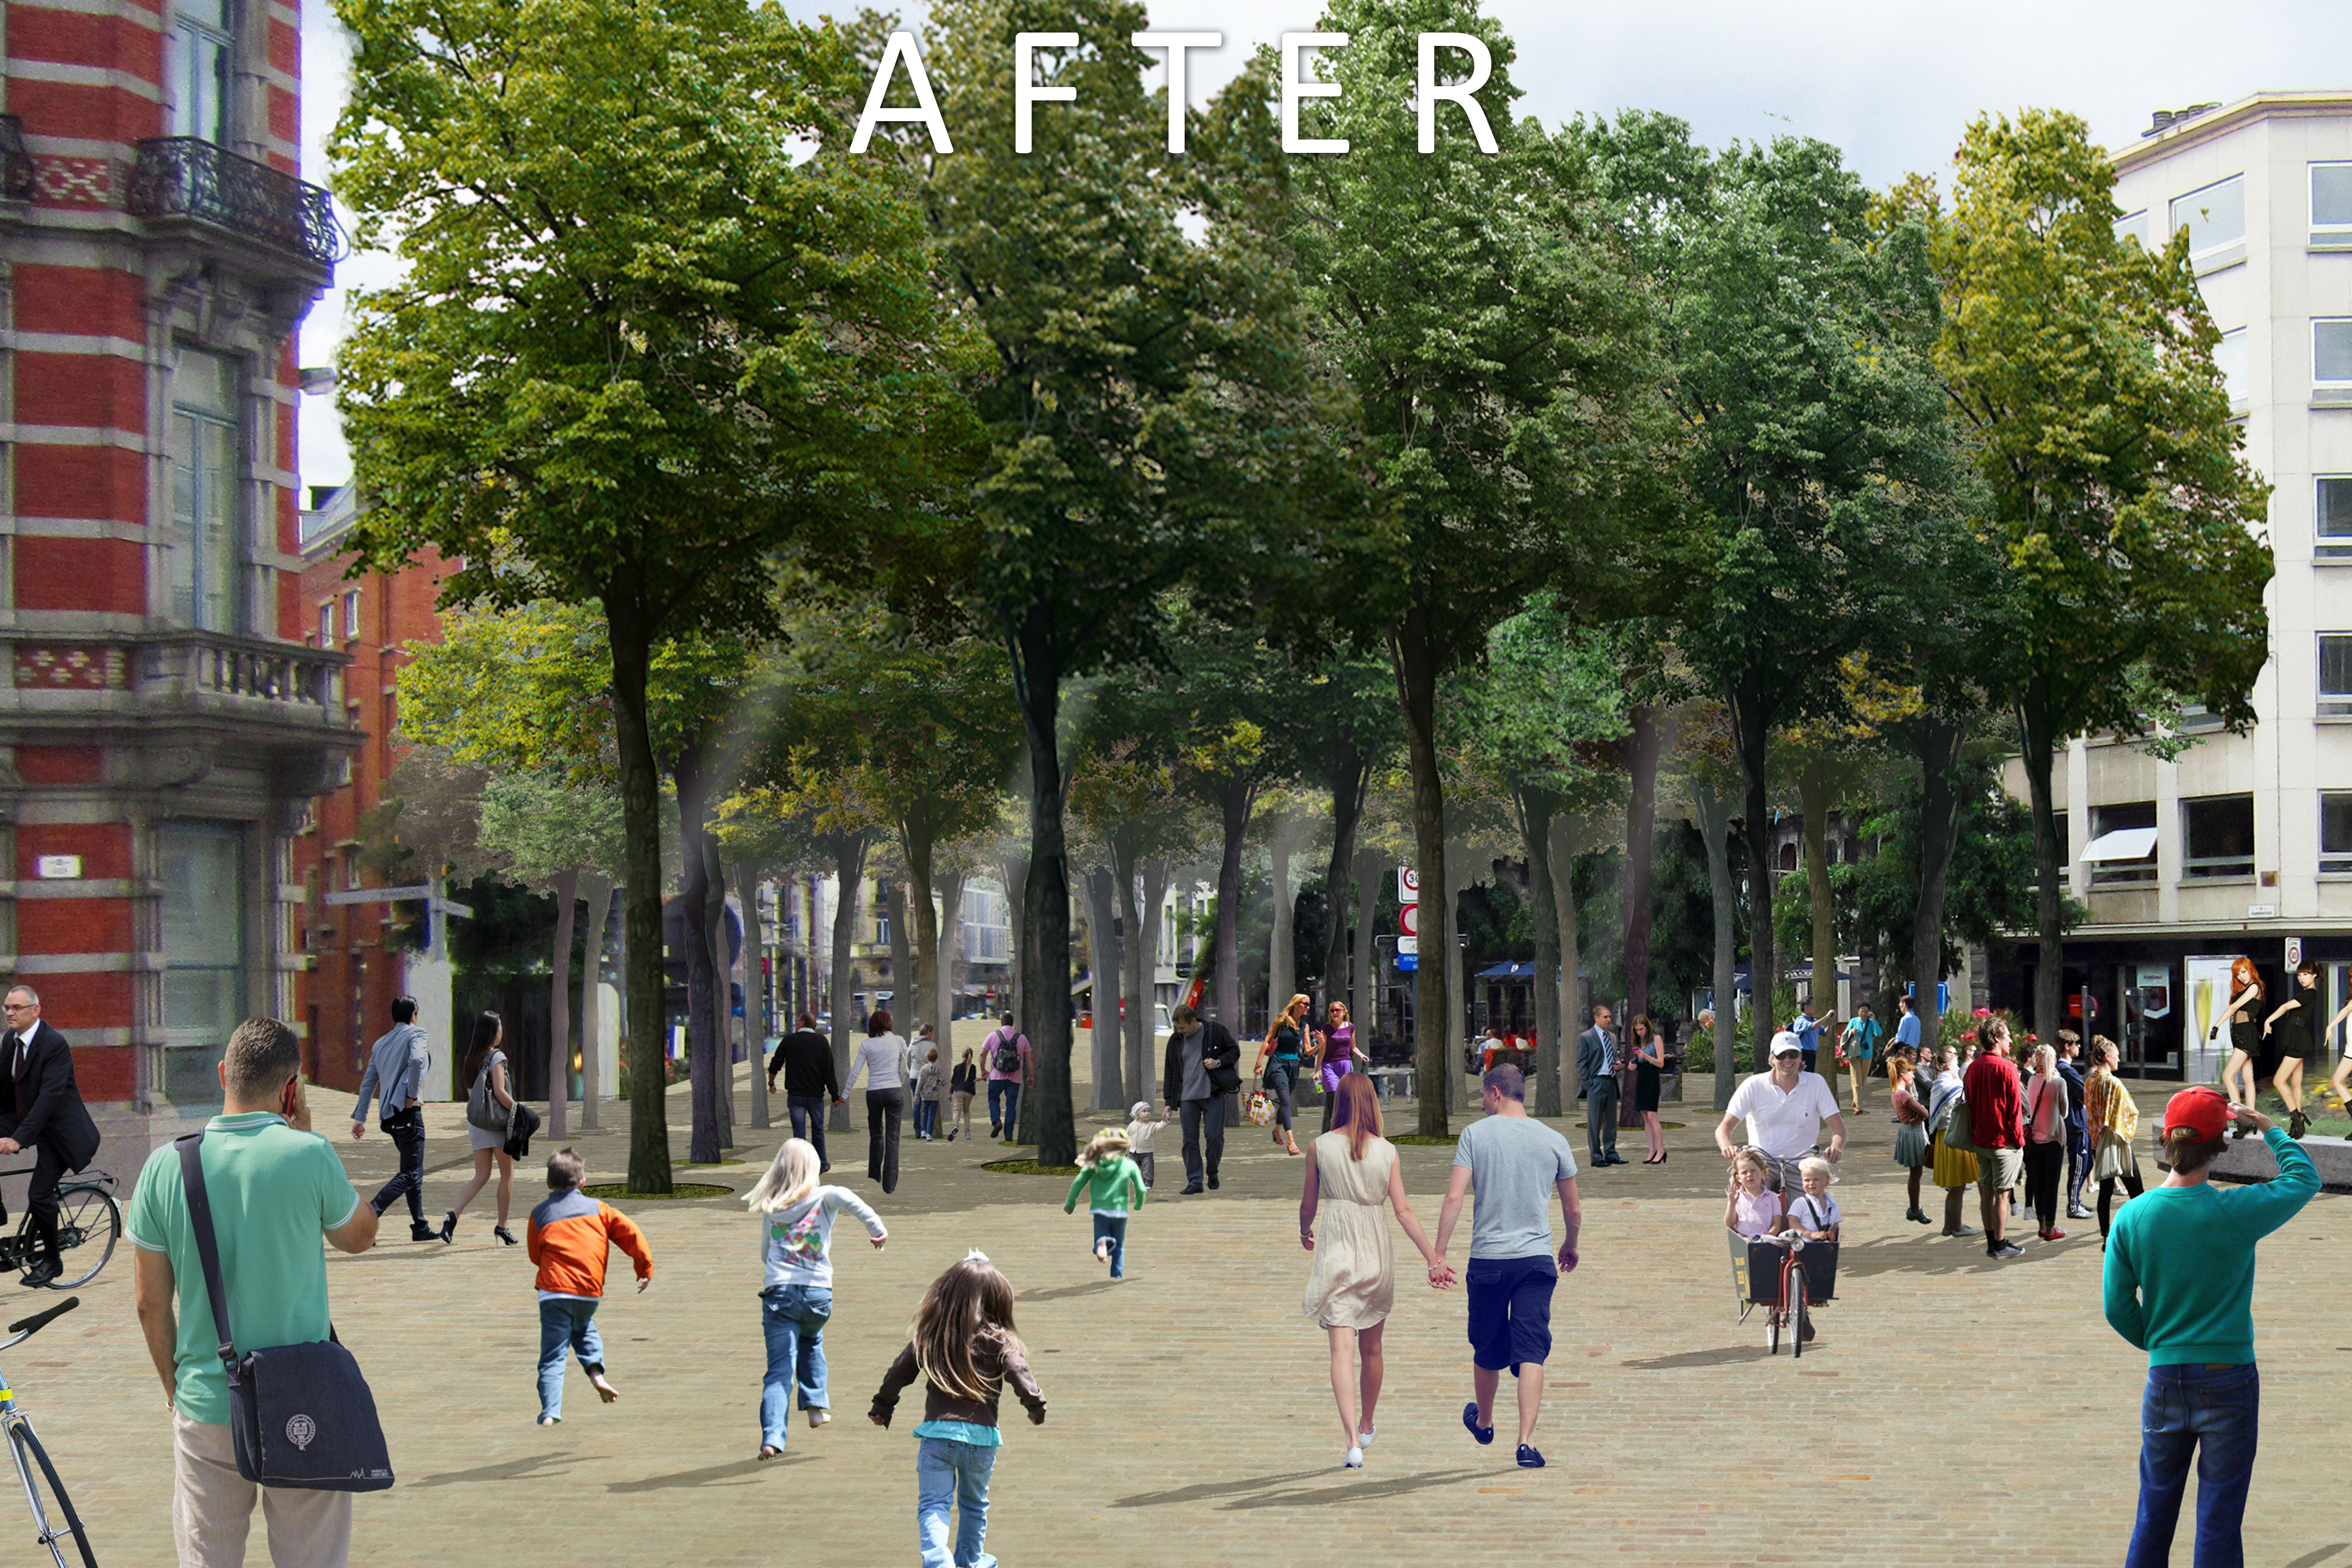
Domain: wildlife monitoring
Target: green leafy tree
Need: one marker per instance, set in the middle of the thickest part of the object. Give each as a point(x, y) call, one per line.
point(641, 346)
point(2080, 367)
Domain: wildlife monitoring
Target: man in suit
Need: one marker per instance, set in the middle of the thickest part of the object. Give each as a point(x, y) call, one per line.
point(41, 1109)
point(1597, 1059)
point(1201, 1067)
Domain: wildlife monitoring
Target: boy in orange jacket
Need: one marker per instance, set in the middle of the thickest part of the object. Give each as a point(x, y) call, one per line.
point(568, 1234)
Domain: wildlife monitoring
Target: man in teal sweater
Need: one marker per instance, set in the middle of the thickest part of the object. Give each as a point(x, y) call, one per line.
point(2180, 1286)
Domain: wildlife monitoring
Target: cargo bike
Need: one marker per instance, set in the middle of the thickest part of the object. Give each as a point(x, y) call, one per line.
point(1786, 1274)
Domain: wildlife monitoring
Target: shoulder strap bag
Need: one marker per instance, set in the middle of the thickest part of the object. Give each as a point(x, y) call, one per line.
point(299, 1415)
point(482, 1107)
point(1958, 1131)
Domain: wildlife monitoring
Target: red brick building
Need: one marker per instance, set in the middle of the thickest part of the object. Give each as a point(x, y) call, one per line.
point(162, 727)
point(355, 971)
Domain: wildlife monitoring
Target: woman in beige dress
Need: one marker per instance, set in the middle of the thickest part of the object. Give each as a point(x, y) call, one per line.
point(1354, 1279)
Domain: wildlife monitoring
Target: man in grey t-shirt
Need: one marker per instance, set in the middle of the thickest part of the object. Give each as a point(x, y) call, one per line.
point(1516, 1164)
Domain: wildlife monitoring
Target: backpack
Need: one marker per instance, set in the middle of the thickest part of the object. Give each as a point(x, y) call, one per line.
point(1004, 1052)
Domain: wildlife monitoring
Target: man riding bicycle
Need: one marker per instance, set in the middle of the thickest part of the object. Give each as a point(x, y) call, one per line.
point(1787, 1106)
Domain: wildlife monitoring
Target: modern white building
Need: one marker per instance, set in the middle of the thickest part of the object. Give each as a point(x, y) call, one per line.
point(2243, 846)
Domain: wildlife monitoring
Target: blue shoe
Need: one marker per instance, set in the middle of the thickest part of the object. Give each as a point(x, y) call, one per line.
point(1528, 1458)
point(1485, 1435)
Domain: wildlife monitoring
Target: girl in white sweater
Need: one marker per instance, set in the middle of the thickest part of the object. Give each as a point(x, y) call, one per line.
point(882, 1061)
point(796, 1302)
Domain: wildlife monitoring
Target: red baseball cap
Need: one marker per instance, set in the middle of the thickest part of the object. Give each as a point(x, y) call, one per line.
point(2201, 1110)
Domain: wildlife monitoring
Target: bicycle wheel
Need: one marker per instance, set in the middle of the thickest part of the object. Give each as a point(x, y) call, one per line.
point(1800, 1315)
point(88, 1224)
point(26, 1450)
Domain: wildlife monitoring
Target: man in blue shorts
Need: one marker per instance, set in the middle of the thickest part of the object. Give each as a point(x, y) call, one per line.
point(1515, 1164)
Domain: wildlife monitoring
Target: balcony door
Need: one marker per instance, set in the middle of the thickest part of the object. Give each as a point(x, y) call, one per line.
point(204, 551)
point(203, 954)
point(202, 42)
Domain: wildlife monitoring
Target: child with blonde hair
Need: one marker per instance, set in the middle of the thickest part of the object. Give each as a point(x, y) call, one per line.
point(1815, 1214)
point(796, 1299)
point(1749, 1206)
point(962, 1345)
point(1110, 1179)
point(1142, 1121)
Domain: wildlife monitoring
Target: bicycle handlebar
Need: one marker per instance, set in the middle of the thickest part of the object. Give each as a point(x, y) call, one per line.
point(39, 1320)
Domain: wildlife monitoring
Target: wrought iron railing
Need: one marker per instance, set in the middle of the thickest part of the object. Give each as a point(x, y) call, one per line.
point(188, 177)
point(17, 176)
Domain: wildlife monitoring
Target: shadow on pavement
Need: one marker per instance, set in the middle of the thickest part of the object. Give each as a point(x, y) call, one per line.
point(509, 1470)
point(1728, 1356)
point(1090, 1289)
point(708, 1476)
point(1357, 1491)
point(1200, 1491)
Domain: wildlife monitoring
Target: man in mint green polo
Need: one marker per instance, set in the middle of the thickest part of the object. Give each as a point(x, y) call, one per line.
point(275, 1188)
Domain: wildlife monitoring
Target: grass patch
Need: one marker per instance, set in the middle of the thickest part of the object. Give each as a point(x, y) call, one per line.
point(707, 1164)
point(678, 1190)
point(1423, 1141)
point(1028, 1168)
point(1637, 1126)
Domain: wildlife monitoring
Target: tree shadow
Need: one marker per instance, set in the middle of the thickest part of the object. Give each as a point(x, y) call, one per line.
point(709, 1475)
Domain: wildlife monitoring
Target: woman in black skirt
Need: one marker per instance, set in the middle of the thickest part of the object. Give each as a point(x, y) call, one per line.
point(2293, 1025)
point(1649, 1067)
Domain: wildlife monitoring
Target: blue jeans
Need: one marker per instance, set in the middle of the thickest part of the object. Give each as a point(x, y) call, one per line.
point(927, 1118)
point(1282, 1077)
point(2214, 1413)
point(1008, 1091)
point(569, 1322)
point(950, 1472)
point(808, 1122)
point(793, 1319)
point(1113, 1226)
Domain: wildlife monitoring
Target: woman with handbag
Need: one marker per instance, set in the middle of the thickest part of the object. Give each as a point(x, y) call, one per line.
point(2112, 1118)
point(2045, 1141)
point(1280, 1060)
point(489, 1120)
point(1956, 1169)
point(1910, 1128)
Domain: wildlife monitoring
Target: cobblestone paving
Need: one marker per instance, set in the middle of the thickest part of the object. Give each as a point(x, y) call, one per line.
point(1952, 1410)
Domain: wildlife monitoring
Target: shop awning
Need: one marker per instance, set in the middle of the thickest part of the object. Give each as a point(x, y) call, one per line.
point(2123, 844)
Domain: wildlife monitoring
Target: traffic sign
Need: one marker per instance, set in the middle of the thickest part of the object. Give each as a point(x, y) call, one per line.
point(1408, 884)
point(1408, 945)
point(1409, 919)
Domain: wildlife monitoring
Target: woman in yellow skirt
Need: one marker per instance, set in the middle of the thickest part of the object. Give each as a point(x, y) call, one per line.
point(1956, 1172)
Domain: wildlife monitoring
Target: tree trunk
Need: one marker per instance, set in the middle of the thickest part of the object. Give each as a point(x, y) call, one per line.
point(1813, 795)
point(2037, 746)
point(951, 885)
point(755, 990)
point(914, 997)
point(558, 1008)
point(722, 970)
point(632, 640)
point(702, 1041)
point(1560, 1065)
point(1939, 747)
point(1536, 809)
point(1014, 869)
point(903, 994)
point(596, 891)
point(1364, 992)
point(1415, 666)
point(1457, 992)
point(1281, 961)
point(1046, 946)
point(1103, 966)
point(1642, 747)
point(1235, 796)
point(849, 874)
point(1752, 733)
point(1715, 825)
point(1351, 777)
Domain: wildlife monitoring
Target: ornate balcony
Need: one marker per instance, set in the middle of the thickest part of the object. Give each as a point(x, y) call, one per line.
point(288, 681)
point(17, 173)
point(188, 178)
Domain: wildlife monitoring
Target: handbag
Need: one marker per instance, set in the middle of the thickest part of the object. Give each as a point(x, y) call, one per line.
point(1259, 1108)
point(524, 1122)
point(482, 1107)
point(299, 1415)
point(1956, 1137)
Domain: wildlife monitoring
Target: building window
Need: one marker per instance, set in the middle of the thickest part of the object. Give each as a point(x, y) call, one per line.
point(2133, 226)
point(202, 553)
point(351, 857)
point(2335, 674)
point(2122, 850)
point(2215, 218)
point(2336, 833)
point(881, 930)
point(2229, 359)
point(2335, 515)
point(203, 954)
point(327, 623)
point(352, 614)
point(202, 47)
point(2331, 352)
point(2331, 200)
point(2217, 835)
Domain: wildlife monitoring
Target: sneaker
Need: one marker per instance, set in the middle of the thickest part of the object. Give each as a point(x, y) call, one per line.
point(2076, 1211)
point(1485, 1435)
point(1528, 1458)
point(2054, 1234)
point(2006, 1249)
point(1364, 1438)
point(1354, 1460)
point(1962, 1230)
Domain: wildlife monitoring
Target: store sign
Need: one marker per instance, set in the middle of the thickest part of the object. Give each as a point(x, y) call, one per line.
point(2262, 911)
point(2154, 986)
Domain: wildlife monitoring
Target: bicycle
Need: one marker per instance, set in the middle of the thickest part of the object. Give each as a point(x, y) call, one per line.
point(87, 1216)
point(1786, 1274)
point(26, 1450)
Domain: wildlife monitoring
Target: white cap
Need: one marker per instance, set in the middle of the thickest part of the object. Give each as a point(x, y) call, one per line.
point(1786, 1043)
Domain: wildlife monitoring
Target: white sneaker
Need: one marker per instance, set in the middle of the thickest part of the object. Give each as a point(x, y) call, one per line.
point(1354, 1461)
point(819, 1418)
point(1364, 1438)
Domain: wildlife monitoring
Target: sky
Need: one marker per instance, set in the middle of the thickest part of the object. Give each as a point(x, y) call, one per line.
point(1892, 82)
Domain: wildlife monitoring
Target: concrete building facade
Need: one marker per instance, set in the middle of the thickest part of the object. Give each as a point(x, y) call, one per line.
point(162, 727)
point(2243, 846)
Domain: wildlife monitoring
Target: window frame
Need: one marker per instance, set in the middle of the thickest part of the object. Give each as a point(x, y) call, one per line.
point(2335, 704)
point(326, 623)
point(350, 614)
point(2336, 862)
point(2319, 380)
point(2216, 252)
point(2320, 229)
point(2137, 873)
point(2241, 396)
point(2324, 544)
point(188, 34)
point(2216, 868)
point(189, 420)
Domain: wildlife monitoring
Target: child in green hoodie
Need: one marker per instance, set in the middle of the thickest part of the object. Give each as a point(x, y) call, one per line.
point(1116, 1185)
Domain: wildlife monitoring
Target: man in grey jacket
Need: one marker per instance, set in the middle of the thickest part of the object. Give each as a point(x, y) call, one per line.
point(1596, 1065)
point(395, 1072)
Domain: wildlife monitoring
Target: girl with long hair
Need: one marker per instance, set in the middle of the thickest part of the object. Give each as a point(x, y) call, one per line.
point(1911, 1147)
point(2045, 1141)
point(2110, 1117)
point(882, 1061)
point(1279, 1060)
point(2294, 1020)
point(485, 1063)
point(1649, 1050)
point(2245, 1034)
point(963, 1346)
point(1114, 1185)
point(796, 1299)
point(1353, 1283)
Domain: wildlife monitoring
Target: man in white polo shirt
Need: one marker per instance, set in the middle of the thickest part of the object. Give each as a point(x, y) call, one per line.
point(1788, 1107)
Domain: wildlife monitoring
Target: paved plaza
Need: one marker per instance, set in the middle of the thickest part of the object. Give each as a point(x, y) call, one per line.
point(1952, 1411)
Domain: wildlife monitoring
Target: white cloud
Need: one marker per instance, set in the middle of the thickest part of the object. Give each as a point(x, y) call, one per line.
point(1891, 81)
